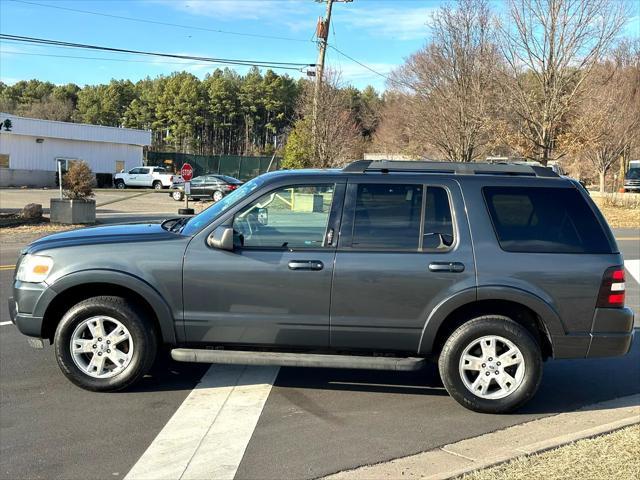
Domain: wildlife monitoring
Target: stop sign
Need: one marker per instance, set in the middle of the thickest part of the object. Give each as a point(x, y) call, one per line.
point(186, 172)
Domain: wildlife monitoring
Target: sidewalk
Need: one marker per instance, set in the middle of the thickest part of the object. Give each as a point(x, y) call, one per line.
point(498, 447)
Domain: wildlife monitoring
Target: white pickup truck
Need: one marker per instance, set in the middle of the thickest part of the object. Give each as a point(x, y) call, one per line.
point(156, 177)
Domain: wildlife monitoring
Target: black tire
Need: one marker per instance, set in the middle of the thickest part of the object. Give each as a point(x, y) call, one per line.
point(120, 184)
point(504, 327)
point(142, 334)
point(157, 185)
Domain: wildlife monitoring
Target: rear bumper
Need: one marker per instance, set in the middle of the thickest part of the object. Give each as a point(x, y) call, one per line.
point(612, 332)
point(611, 336)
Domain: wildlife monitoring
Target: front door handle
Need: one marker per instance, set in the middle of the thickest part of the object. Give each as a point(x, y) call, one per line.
point(306, 265)
point(453, 267)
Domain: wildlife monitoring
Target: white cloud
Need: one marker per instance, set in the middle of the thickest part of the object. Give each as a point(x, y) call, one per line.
point(399, 24)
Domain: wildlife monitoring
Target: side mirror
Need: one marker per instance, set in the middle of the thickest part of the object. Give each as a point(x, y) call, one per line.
point(221, 238)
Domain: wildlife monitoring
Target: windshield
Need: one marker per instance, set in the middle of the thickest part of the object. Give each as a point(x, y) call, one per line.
point(633, 174)
point(207, 216)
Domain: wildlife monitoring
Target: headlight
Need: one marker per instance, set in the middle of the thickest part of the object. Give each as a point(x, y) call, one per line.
point(34, 269)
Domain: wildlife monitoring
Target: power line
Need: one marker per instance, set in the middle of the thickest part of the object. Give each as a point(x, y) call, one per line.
point(386, 77)
point(166, 24)
point(107, 59)
point(228, 61)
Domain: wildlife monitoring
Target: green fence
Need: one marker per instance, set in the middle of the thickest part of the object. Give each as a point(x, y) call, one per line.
point(237, 166)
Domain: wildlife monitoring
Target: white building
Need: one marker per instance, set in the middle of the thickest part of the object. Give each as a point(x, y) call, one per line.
point(30, 149)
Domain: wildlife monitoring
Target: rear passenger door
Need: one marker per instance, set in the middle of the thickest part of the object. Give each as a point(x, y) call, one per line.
point(404, 247)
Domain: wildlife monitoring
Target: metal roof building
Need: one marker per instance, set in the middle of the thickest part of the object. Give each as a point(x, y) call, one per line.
point(30, 149)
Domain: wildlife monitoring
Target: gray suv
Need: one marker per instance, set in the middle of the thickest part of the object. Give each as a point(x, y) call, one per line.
point(486, 269)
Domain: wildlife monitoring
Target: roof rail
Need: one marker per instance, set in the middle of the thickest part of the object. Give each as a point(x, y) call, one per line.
point(457, 168)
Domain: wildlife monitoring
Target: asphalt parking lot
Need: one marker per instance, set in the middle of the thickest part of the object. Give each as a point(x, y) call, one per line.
point(309, 424)
point(112, 206)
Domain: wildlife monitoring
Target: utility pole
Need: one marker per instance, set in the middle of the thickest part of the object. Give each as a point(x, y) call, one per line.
point(322, 33)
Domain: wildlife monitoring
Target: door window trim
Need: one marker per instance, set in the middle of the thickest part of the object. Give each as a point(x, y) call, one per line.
point(350, 201)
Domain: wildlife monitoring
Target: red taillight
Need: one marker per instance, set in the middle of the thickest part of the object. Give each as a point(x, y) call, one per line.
point(232, 187)
point(612, 289)
point(171, 178)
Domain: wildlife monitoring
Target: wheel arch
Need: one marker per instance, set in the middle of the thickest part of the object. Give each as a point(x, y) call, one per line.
point(74, 288)
point(528, 310)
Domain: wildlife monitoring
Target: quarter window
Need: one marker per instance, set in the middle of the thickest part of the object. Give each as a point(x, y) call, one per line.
point(544, 220)
point(290, 217)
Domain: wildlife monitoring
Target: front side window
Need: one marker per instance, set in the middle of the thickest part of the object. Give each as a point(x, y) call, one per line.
point(290, 217)
point(544, 220)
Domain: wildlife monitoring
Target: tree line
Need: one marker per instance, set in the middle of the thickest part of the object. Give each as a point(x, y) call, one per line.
point(224, 113)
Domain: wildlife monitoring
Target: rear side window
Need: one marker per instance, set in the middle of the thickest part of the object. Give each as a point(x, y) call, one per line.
point(394, 216)
point(544, 220)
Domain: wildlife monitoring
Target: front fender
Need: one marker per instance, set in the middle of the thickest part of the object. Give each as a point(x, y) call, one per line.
point(539, 306)
point(117, 278)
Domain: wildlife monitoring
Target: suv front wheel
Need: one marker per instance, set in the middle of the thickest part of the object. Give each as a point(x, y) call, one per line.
point(491, 364)
point(104, 344)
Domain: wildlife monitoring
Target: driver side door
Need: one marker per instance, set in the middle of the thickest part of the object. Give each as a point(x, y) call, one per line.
point(274, 287)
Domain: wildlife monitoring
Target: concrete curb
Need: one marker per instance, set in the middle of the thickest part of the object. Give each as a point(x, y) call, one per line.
point(528, 438)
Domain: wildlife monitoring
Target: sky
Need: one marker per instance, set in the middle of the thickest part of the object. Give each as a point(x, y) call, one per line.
point(377, 33)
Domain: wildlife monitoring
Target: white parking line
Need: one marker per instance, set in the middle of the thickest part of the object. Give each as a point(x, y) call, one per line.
point(208, 434)
point(633, 267)
point(5, 323)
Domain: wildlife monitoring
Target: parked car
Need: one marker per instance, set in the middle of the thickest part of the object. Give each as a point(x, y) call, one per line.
point(632, 180)
point(213, 187)
point(486, 269)
point(155, 177)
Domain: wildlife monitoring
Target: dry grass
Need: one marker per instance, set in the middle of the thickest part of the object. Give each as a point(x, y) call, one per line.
point(44, 227)
point(613, 456)
point(619, 215)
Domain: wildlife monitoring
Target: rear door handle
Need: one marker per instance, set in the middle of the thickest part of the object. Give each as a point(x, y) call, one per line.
point(306, 265)
point(454, 267)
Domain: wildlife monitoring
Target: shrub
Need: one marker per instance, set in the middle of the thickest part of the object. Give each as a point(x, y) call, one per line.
point(78, 182)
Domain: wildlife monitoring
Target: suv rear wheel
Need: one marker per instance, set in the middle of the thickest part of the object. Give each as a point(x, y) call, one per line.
point(491, 364)
point(104, 344)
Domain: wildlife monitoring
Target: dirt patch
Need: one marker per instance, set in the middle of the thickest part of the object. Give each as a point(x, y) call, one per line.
point(616, 455)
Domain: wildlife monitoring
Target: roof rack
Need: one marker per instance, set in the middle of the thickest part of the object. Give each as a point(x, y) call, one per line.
point(457, 168)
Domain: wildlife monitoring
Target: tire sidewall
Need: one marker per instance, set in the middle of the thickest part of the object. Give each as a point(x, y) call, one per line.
point(498, 326)
point(157, 185)
point(120, 185)
point(143, 341)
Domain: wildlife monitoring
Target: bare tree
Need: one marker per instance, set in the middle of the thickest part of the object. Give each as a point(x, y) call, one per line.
point(334, 139)
point(607, 125)
point(449, 83)
point(551, 47)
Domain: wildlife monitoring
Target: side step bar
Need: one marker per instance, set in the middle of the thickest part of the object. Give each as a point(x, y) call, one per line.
point(235, 357)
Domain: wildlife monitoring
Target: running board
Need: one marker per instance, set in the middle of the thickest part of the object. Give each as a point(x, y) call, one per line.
point(235, 357)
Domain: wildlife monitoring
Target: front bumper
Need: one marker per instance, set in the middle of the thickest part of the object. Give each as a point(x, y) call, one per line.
point(25, 306)
point(612, 332)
